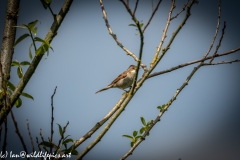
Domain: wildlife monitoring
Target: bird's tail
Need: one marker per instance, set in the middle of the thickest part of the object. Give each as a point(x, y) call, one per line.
point(103, 89)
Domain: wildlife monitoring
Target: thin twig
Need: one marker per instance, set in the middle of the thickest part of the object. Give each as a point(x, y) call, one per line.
point(5, 136)
point(18, 132)
point(192, 62)
point(223, 62)
point(41, 135)
point(156, 58)
point(135, 7)
point(115, 37)
point(52, 119)
point(29, 133)
point(39, 148)
point(153, 13)
point(54, 15)
point(219, 44)
point(218, 24)
point(183, 9)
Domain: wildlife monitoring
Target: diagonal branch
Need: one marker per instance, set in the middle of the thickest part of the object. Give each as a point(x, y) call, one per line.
point(223, 62)
point(153, 13)
point(156, 59)
point(183, 9)
point(49, 37)
point(99, 124)
point(164, 109)
point(115, 37)
point(161, 113)
point(192, 62)
point(18, 132)
point(135, 7)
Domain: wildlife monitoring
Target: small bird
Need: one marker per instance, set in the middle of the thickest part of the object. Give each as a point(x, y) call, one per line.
point(124, 80)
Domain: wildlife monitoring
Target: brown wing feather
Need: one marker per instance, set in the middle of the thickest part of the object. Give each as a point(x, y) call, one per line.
point(123, 75)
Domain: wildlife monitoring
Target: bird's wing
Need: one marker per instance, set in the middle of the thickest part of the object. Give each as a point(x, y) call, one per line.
point(121, 76)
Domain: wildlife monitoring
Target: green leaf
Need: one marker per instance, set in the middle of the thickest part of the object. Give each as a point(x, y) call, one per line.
point(26, 95)
point(143, 121)
point(68, 140)
point(25, 63)
point(74, 152)
point(48, 144)
point(60, 130)
point(43, 48)
point(127, 136)
point(19, 72)
point(22, 26)
point(10, 85)
point(131, 144)
point(142, 130)
point(135, 133)
point(30, 52)
point(15, 63)
point(46, 3)
point(18, 103)
point(149, 122)
point(32, 25)
point(134, 25)
point(22, 37)
point(138, 137)
point(141, 24)
point(34, 31)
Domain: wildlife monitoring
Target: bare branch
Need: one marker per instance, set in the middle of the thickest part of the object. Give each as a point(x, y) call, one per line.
point(18, 132)
point(219, 44)
point(153, 13)
point(223, 62)
point(39, 148)
point(156, 59)
point(41, 135)
point(51, 138)
point(217, 28)
point(5, 136)
point(30, 136)
point(99, 124)
point(135, 7)
point(115, 37)
point(190, 63)
point(183, 9)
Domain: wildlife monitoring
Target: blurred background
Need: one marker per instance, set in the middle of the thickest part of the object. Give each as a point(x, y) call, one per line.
point(203, 123)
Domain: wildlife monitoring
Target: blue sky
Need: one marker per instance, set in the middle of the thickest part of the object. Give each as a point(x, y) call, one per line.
point(203, 123)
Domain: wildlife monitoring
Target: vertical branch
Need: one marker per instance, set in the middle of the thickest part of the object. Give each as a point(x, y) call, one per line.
point(5, 136)
point(216, 32)
point(9, 37)
point(29, 133)
point(51, 138)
